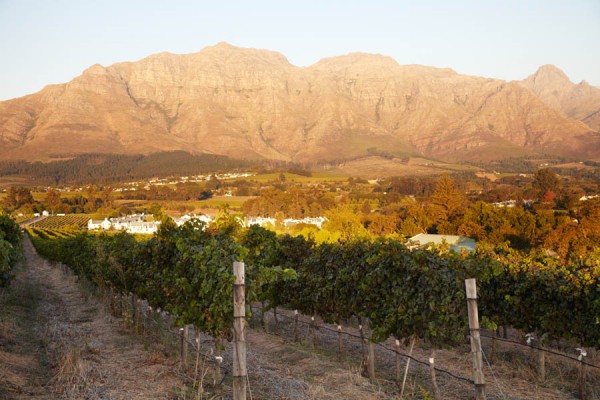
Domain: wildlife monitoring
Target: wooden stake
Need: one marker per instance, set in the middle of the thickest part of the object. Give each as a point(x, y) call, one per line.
point(276, 319)
point(582, 384)
point(296, 334)
point(198, 347)
point(218, 376)
point(494, 344)
point(186, 336)
point(582, 375)
point(412, 345)
point(125, 310)
point(132, 299)
point(471, 288)
point(371, 360)
point(541, 363)
point(340, 344)
point(315, 327)
point(362, 344)
point(181, 349)
point(239, 346)
point(398, 366)
point(136, 320)
point(434, 385)
point(264, 320)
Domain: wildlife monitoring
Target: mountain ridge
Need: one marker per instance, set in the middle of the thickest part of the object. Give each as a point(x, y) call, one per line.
point(254, 104)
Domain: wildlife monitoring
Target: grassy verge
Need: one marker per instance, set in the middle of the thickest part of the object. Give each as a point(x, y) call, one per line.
point(26, 366)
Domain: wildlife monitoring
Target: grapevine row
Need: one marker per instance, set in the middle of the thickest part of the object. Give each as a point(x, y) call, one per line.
point(10, 248)
point(401, 292)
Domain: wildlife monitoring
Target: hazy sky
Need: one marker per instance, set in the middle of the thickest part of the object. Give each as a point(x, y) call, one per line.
point(52, 41)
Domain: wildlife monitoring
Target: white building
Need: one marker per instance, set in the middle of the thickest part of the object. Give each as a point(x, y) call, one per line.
point(143, 227)
point(264, 221)
point(99, 224)
point(317, 221)
point(131, 224)
point(185, 218)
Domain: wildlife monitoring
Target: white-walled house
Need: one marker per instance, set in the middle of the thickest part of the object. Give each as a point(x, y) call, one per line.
point(143, 227)
point(185, 218)
point(131, 224)
point(262, 221)
point(318, 221)
point(94, 224)
point(99, 224)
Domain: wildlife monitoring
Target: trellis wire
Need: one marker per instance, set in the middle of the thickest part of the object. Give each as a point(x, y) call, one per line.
point(544, 350)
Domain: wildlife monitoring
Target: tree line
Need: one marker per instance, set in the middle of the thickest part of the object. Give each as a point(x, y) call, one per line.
point(111, 168)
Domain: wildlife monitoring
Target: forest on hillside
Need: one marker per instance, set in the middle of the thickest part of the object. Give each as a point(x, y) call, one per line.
point(111, 168)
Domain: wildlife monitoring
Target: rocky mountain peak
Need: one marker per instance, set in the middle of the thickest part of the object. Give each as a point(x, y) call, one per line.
point(551, 71)
point(95, 69)
point(250, 103)
point(555, 89)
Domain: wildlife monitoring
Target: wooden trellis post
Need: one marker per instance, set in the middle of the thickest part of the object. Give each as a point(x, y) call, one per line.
point(434, 386)
point(582, 374)
point(296, 335)
point(340, 343)
point(398, 366)
point(239, 319)
point(371, 360)
point(471, 289)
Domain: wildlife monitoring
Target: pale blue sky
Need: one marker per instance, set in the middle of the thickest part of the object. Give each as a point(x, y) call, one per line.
point(52, 41)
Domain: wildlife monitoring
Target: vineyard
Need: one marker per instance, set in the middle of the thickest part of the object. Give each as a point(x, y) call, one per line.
point(57, 222)
point(382, 286)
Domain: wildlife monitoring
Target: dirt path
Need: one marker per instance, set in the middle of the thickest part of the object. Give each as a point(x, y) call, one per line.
point(56, 344)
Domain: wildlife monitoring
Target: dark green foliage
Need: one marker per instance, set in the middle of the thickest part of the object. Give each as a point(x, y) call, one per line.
point(107, 168)
point(10, 248)
point(402, 292)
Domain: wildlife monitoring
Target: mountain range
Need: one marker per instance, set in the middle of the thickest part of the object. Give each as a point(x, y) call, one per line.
point(253, 104)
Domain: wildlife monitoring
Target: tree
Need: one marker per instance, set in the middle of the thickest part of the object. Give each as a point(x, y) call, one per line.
point(53, 202)
point(157, 211)
point(416, 220)
point(344, 220)
point(18, 197)
point(366, 207)
point(546, 183)
point(447, 202)
point(107, 197)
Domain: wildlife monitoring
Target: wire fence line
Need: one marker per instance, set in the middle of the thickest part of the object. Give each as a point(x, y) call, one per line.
point(380, 345)
point(545, 350)
point(175, 332)
point(147, 311)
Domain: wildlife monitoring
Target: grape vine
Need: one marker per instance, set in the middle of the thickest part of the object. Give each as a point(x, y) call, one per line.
point(187, 271)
